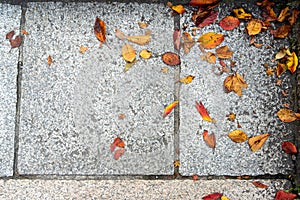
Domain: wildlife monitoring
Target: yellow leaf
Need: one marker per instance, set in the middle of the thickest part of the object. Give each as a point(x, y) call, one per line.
point(292, 62)
point(142, 24)
point(179, 9)
point(188, 79)
point(209, 57)
point(287, 115)
point(231, 117)
point(254, 27)
point(128, 65)
point(145, 54)
point(238, 136)
point(235, 83)
point(269, 71)
point(280, 54)
point(224, 52)
point(256, 142)
point(128, 53)
point(188, 42)
point(241, 14)
point(164, 70)
point(169, 108)
point(140, 39)
point(210, 40)
point(83, 49)
point(176, 163)
point(224, 198)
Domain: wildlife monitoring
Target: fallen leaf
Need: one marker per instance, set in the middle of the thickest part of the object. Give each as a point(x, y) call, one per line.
point(83, 49)
point(169, 108)
point(140, 39)
point(10, 35)
point(203, 112)
point(171, 58)
point(213, 196)
point(119, 153)
point(256, 142)
point(210, 139)
point(283, 14)
point(224, 52)
point(241, 14)
point(143, 24)
point(128, 53)
point(231, 117)
point(224, 198)
point(292, 19)
point(238, 124)
point(282, 31)
point(188, 42)
point(209, 57)
point(265, 3)
point(195, 177)
point(269, 71)
point(210, 40)
point(164, 70)
point(282, 195)
point(292, 62)
point(289, 148)
point(271, 16)
point(287, 115)
point(236, 83)
point(229, 23)
point(118, 142)
point(145, 54)
point(207, 20)
point(49, 60)
point(178, 8)
point(122, 116)
point(14, 43)
point(202, 2)
point(281, 53)
point(129, 65)
point(119, 34)
point(238, 136)
point(100, 30)
point(259, 184)
point(176, 163)
point(176, 39)
point(281, 68)
point(188, 79)
point(254, 27)
point(24, 32)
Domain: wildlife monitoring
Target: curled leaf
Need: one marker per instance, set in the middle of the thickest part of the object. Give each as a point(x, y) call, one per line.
point(203, 112)
point(171, 58)
point(128, 53)
point(281, 68)
point(289, 148)
point(224, 52)
point(292, 62)
point(238, 136)
point(188, 79)
point(287, 115)
point(229, 23)
point(256, 142)
point(210, 40)
point(241, 14)
point(169, 108)
point(210, 139)
point(259, 184)
point(282, 31)
point(100, 30)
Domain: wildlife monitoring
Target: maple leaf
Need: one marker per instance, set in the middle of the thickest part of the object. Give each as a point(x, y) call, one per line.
point(229, 23)
point(238, 136)
point(171, 58)
point(256, 142)
point(203, 112)
point(100, 30)
point(236, 83)
point(128, 53)
point(289, 148)
point(210, 40)
point(169, 108)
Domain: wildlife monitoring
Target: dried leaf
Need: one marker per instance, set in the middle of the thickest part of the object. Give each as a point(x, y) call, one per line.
point(145, 54)
point(169, 108)
point(270, 14)
point(224, 52)
point(265, 3)
point(176, 163)
point(195, 177)
point(188, 79)
point(213, 196)
point(176, 39)
point(281, 68)
point(178, 8)
point(10, 35)
point(259, 184)
point(282, 31)
point(202, 2)
point(210, 40)
point(209, 19)
point(236, 83)
point(24, 32)
point(83, 49)
point(256, 142)
point(210, 139)
point(292, 62)
point(292, 19)
point(14, 43)
point(143, 24)
point(209, 57)
point(229, 23)
point(289, 148)
point(164, 70)
point(100, 30)
point(287, 115)
point(203, 112)
point(188, 42)
point(171, 58)
point(140, 39)
point(118, 142)
point(241, 14)
point(231, 117)
point(129, 65)
point(254, 27)
point(128, 53)
point(282, 195)
point(238, 136)
point(283, 14)
point(119, 153)
point(49, 60)
point(119, 34)
point(122, 116)
point(280, 54)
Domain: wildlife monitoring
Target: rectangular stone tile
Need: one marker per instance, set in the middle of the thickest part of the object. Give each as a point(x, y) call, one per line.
point(9, 20)
point(255, 110)
point(138, 189)
point(70, 109)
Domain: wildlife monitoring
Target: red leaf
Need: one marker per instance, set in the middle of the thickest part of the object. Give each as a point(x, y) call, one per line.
point(213, 196)
point(229, 23)
point(10, 35)
point(200, 23)
point(203, 112)
point(169, 108)
point(259, 184)
point(118, 142)
point(282, 195)
point(176, 39)
point(289, 148)
point(16, 42)
point(119, 153)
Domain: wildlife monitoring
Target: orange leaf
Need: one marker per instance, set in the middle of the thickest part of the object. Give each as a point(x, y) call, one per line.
point(49, 60)
point(254, 27)
point(229, 23)
point(202, 2)
point(24, 32)
point(287, 115)
point(224, 52)
point(210, 40)
point(83, 49)
point(281, 68)
point(289, 148)
point(118, 142)
point(259, 184)
point(238, 136)
point(119, 153)
point(100, 30)
point(213, 196)
point(256, 142)
point(241, 14)
point(188, 42)
point(171, 58)
point(128, 53)
point(210, 139)
point(143, 24)
point(178, 8)
point(203, 112)
point(187, 80)
point(169, 108)
point(236, 83)
point(292, 19)
point(283, 14)
point(282, 31)
point(282, 195)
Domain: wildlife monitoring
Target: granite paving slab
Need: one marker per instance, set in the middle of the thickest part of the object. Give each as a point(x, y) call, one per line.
point(70, 109)
point(255, 110)
point(10, 20)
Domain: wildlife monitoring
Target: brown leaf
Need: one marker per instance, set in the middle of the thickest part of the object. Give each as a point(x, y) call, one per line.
point(287, 115)
point(292, 19)
point(256, 142)
point(238, 136)
point(14, 43)
point(119, 34)
point(176, 39)
point(209, 57)
point(128, 53)
point(122, 116)
point(171, 58)
point(259, 184)
point(210, 40)
point(10, 35)
point(289, 148)
point(229, 23)
point(188, 42)
point(140, 39)
point(209, 19)
point(236, 83)
point(283, 14)
point(100, 30)
point(49, 60)
point(254, 27)
point(202, 2)
point(224, 52)
point(210, 139)
point(282, 31)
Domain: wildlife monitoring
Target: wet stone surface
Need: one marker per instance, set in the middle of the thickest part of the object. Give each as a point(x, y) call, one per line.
point(70, 109)
point(255, 109)
point(8, 87)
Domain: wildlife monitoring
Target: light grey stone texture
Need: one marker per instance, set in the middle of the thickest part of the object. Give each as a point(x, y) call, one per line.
point(255, 109)
point(70, 109)
point(137, 189)
point(10, 20)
